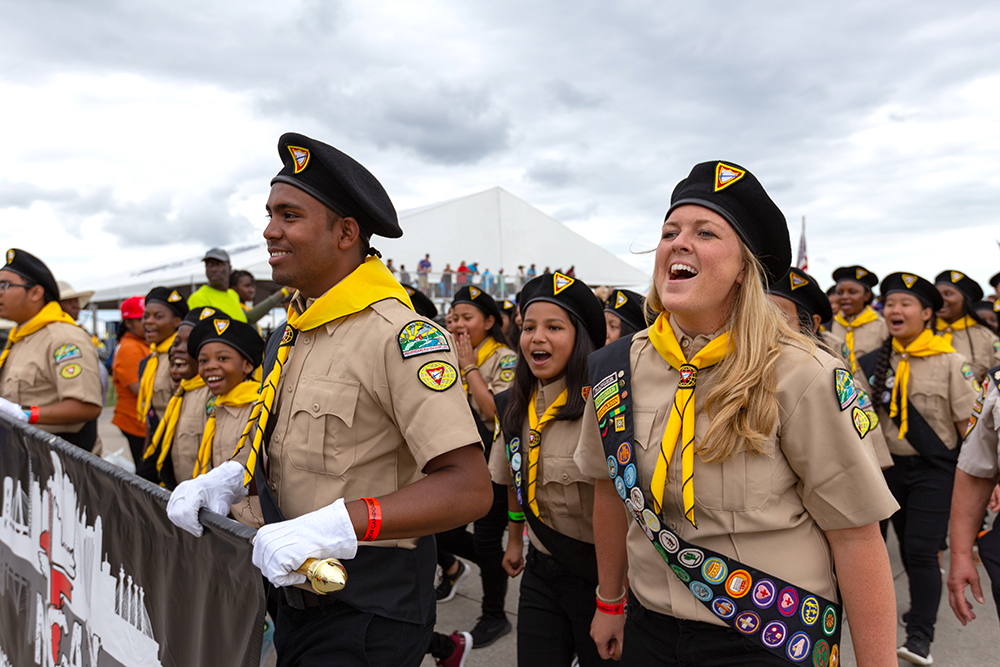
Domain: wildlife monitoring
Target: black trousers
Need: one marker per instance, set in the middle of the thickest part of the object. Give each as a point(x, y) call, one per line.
point(338, 634)
point(455, 542)
point(144, 469)
point(656, 639)
point(553, 615)
point(989, 553)
point(923, 492)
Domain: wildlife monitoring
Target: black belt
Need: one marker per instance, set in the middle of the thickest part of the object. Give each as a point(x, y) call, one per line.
point(302, 599)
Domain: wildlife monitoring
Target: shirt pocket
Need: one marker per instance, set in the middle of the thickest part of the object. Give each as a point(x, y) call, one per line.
point(323, 412)
point(562, 480)
point(741, 484)
point(18, 386)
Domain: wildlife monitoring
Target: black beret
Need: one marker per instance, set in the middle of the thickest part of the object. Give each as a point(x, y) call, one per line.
point(339, 182)
point(983, 305)
point(628, 306)
point(479, 299)
point(198, 314)
point(508, 306)
point(240, 336)
point(803, 290)
point(858, 274)
point(830, 291)
point(423, 305)
point(571, 294)
point(33, 270)
point(737, 195)
point(969, 288)
point(172, 299)
point(995, 281)
point(911, 283)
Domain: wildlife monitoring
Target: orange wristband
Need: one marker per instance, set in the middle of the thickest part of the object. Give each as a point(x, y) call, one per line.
point(614, 609)
point(374, 520)
point(33, 416)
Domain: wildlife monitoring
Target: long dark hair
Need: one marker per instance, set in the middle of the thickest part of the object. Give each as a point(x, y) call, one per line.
point(497, 331)
point(577, 377)
point(968, 310)
point(881, 368)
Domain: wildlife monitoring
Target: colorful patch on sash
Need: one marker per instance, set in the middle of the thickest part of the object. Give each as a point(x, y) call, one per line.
point(966, 370)
point(602, 385)
point(821, 654)
point(701, 591)
point(862, 421)
point(67, 352)
point(681, 574)
point(620, 300)
point(174, 297)
point(738, 584)
point(723, 607)
point(612, 467)
point(612, 402)
point(747, 622)
point(829, 621)
point(691, 558)
point(726, 175)
point(506, 375)
point(798, 647)
point(437, 375)
point(714, 570)
point(669, 541)
point(773, 635)
point(560, 282)
point(508, 361)
point(220, 326)
point(419, 337)
point(972, 425)
point(788, 601)
point(619, 423)
point(764, 593)
point(809, 610)
point(71, 371)
point(957, 276)
point(797, 281)
point(629, 475)
point(636, 496)
point(206, 312)
point(844, 385)
point(834, 656)
point(651, 520)
point(300, 156)
point(620, 488)
point(624, 453)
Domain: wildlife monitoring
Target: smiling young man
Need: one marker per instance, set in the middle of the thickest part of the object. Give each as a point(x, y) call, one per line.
point(218, 293)
point(367, 431)
point(49, 370)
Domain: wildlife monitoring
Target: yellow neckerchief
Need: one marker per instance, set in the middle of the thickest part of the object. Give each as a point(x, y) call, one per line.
point(168, 425)
point(866, 316)
point(369, 283)
point(487, 349)
point(925, 345)
point(682, 417)
point(144, 400)
point(535, 439)
point(958, 325)
point(242, 394)
point(50, 312)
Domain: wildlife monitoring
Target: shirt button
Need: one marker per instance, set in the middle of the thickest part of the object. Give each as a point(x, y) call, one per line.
point(565, 476)
point(672, 525)
point(306, 340)
point(273, 487)
point(315, 407)
point(685, 342)
point(289, 388)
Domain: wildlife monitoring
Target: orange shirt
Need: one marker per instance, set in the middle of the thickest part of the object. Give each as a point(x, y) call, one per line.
point(125, 371)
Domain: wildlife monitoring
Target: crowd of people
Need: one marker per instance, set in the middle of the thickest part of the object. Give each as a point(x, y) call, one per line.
point(761, 433)
point(448, 281)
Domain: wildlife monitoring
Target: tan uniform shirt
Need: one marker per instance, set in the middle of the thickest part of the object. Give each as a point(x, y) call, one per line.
point(230, 420)
point(769, 511)
point(357, 419)
point(867, 338)
point(163, 386)
point(979, 346)
point(979, 455)
point(187, 435)
point(55, 363)
point(565, 495)
point(939, 391)
point(498, 373)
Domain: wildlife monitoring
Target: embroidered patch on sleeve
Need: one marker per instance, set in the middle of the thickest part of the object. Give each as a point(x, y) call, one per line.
point(862, 421)
point(996, 346)
point(506, 375)
point(419, 337)
point(508, 361)
point(67, 352)
point(966, 370)
point(844, 386)
point(71, 371)
point(972, 425)
point(437, 375)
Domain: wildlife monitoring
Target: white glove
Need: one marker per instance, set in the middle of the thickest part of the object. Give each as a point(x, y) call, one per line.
point(12, 411)
point(280, 548)
point(216, 490)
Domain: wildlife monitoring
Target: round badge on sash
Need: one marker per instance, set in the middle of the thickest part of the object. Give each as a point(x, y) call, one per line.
point(788, 601)
point(612, 467)
point(747, 622)
point(701, 591)
point(829, 621)
point(774, 634)
point(629, 475)
point(764, 593)
point(714, 570)
point(798, 647)
point(723, 607)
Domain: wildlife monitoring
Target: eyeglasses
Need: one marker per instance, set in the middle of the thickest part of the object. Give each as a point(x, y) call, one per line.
point(5, 284)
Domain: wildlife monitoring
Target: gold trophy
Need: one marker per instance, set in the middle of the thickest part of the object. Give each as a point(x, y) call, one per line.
point(325, 576)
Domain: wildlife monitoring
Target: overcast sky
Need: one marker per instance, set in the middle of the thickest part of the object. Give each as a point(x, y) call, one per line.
point(137, 132)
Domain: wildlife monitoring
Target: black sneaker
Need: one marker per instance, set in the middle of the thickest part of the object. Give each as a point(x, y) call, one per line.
point(917, 650)
point(488, 630)
point(449, 582)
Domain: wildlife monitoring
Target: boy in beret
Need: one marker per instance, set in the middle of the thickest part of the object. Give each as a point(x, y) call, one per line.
point(49, 369)
point(959, 324)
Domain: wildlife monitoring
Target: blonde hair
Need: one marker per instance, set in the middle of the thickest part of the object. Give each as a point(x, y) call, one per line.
point(741, 405)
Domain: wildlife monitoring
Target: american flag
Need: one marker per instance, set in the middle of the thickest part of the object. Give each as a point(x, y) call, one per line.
point(803, 260)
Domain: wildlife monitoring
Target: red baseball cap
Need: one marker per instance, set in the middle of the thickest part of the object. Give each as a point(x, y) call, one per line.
point(133, 308)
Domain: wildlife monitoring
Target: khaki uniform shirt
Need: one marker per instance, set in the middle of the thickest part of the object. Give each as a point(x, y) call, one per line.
point(769, 511)
point(867, 338)
point(230, 420)
point(939, 391)
point(979, 346)
point(187, 435)
point(55, 363)
point(498, 373)
point(163, 386)
point(357, 419)
point(565, 495)
point(979, 455)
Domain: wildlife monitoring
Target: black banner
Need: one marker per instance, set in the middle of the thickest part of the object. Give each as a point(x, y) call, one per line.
point(95, 575)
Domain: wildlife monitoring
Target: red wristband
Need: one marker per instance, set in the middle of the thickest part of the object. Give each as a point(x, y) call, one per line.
point(374, 520)
point(614, 609)
point(33, 417)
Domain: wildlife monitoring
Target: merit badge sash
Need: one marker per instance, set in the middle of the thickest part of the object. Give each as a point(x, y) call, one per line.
point(790, 622)
point(575, 555)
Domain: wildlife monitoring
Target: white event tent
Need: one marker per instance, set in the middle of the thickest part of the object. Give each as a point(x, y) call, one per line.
point(493, 228)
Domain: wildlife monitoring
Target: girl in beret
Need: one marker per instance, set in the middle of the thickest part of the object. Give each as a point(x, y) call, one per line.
point(924, 400)
point(623, 314)
point(961, 326)
point(741, 460)
point(541, 422)
point(987, 312)
point(856, 324)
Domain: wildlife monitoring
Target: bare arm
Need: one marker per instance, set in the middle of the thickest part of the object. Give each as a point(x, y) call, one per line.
point(968, 506)
point(607, 630)
point(481, 394)
point(513, 557)
point(265, 306)
point(68, 411)
point(869, 597)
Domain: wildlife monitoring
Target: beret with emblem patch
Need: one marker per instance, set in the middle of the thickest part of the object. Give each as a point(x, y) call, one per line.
point(197, 315)
point(802, 289)
point(911, 283)
point(995, 281)
point(170, 298)
point(571, 294)
point(858, 274)
point(421, 303)
point(338, 181)
point(478, 298)
point(33, 270)
point(627, 305)
point(969, 288)
point(240, 336)
point(508, 306)
point(734, 193)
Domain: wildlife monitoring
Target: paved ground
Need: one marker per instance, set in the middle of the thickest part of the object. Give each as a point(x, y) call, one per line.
point(975, 645)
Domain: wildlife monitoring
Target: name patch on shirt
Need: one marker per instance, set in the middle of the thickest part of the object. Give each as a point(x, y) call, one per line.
point(67, 352)
point(420, 337)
